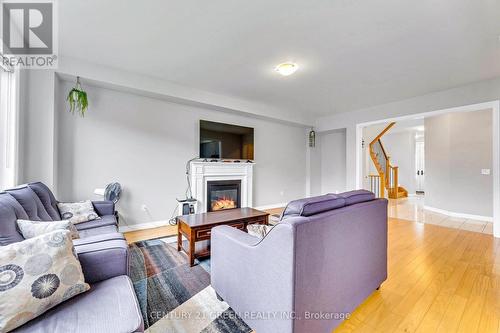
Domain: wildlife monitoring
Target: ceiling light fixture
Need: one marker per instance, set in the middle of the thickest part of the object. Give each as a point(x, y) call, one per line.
point(286, 68)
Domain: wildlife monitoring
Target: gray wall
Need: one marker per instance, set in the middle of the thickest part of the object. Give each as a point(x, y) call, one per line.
point(328, 163)
point(457, 147)
point(144, 144)
point(401, 148)
point(37, 124)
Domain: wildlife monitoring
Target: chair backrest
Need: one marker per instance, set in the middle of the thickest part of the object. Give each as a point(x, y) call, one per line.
point(10, 211)
point(47, 198)
point(31, 203)
point(340, 259)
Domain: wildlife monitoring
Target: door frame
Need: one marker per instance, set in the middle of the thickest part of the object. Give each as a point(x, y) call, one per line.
point(493, 105)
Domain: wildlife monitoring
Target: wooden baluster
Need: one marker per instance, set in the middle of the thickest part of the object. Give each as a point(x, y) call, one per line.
point(396, 181)
point(382, 185)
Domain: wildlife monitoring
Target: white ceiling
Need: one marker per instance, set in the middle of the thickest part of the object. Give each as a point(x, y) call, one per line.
point(351, 53)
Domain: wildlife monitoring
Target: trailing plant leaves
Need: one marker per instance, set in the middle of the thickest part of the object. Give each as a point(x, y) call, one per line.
point(78, 101)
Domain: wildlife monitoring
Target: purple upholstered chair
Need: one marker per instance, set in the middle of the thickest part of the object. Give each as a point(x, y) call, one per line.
point(327, 255)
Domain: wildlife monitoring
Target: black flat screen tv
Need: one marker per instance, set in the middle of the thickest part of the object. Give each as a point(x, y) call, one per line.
point(225, 141)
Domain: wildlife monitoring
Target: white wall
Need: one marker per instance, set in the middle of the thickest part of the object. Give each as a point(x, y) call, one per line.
point(457, 147)
point(401, 148)
point(328, 163)
point(144, 144)
point(37, 126)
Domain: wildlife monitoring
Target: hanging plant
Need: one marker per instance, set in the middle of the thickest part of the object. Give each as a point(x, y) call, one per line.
point(77, 99)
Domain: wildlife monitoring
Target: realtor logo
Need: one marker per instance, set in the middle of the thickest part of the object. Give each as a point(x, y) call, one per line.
point(28, 34)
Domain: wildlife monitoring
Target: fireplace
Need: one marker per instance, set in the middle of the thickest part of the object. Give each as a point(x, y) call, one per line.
point(223, 194)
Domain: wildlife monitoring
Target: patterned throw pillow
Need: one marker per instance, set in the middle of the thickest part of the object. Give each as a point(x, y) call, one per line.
point(77, 212)
point(259, 230)
point(36, 275)
point(31, 229)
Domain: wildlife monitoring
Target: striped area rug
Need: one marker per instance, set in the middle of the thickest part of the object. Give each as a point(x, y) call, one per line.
point(176, 298)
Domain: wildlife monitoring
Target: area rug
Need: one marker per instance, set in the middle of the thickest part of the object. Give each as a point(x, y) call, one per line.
point(176, 298)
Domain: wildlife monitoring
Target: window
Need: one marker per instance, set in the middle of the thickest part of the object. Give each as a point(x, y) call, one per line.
point(9, 119)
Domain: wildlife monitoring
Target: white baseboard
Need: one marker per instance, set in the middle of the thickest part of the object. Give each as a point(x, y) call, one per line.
point(278, 205)
point(460, 215)
point(142, 226)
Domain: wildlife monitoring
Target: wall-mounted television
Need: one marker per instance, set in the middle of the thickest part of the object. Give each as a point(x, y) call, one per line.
point(225, 141)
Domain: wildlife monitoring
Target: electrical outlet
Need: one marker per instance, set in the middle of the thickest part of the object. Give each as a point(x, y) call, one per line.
point(485, 171)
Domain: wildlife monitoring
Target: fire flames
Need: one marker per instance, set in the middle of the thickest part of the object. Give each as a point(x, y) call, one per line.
point(223, 203)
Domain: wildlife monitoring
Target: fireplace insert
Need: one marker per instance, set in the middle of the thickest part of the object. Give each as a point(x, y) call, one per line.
point(223, 194)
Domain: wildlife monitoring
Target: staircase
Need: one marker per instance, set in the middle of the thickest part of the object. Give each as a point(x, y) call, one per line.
point(387, 178)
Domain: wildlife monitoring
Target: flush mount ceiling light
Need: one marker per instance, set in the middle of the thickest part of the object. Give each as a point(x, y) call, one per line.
point(286, 68)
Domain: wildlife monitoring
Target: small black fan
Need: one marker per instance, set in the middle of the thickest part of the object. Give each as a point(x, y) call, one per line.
point(113, 192)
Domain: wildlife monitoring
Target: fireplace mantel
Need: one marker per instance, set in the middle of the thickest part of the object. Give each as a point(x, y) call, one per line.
point(202, 172)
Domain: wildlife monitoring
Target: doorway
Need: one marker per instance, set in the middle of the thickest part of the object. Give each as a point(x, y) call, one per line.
point(493, 105)
point(420, 166)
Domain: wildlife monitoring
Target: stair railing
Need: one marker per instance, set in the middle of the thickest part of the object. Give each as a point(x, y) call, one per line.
point(377, 185)
point(392, 179)
point(387, 175)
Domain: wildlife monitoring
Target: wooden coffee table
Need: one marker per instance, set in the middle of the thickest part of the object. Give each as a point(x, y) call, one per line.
point(198, 227)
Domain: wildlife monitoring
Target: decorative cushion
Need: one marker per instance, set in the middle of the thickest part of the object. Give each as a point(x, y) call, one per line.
point(357, 196)
point(259, 230)
point(77, 212)
point(313, 205)
point(31, 229)
point(36, 275)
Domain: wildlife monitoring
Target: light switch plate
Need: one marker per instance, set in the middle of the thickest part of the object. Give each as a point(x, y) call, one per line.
point(485, 171)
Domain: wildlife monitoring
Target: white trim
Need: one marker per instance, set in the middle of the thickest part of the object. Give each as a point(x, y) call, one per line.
point(461, 215)
point(272, 206)
point(494, 105)
point(142, 226)
point(203, 172)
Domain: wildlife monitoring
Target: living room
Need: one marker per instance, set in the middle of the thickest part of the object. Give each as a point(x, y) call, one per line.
point(204, 160)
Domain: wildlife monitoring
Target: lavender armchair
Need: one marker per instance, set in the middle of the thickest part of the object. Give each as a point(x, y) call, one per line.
point(309, 272)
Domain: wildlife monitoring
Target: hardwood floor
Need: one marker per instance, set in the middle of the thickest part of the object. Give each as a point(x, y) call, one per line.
point(139, 235)
point(439, 280)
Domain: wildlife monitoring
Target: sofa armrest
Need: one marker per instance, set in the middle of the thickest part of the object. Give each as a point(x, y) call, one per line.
point(253, 275)
point(102, 260)
point(104, 207)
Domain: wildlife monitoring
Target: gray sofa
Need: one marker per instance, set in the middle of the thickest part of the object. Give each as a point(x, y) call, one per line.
point(110, 305)
point(328, 254)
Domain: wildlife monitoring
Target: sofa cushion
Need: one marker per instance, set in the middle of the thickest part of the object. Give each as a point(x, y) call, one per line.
point(31, 229)
point(107, 229)
point(259, 230)
point(109, 306)
point(10, 211)
point(47, 198)
point(31, 203)
point(313, 205)
point(103, 221)
point(357, 196)
point(77, 212)
point(36, 275)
